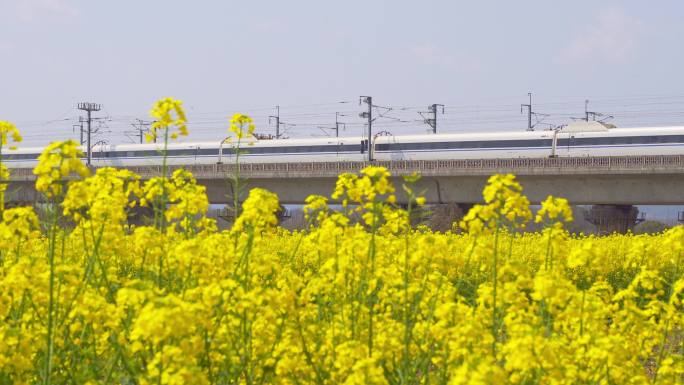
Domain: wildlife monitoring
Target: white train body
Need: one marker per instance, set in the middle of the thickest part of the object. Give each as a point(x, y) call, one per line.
point(581, 140)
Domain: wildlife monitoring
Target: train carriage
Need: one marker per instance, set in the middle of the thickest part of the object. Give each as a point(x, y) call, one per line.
point(577, 139)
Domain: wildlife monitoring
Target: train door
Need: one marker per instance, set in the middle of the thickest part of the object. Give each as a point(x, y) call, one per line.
point(385, 148)
point(338, 150)
point(226, 152)
point(99, 154)
point(396, 152)
point(563, 142)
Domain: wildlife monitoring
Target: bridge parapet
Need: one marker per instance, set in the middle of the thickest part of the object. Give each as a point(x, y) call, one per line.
point(619, 165)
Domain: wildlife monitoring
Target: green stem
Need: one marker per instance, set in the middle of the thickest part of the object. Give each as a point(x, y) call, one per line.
point(662, 350)
point(584, 295)
point(371, 256)
point(236, 183)
point(50, 332)
point(547, 262)
point(495, 322)
point(162, 205)
point(3, 186)
point(407, 306)
point(160, 366)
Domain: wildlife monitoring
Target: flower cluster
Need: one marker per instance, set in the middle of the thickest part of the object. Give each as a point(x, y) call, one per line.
point(258, 211)
point(505, 206)
point(241, 126)
point(57, 162)
point(8, 130)
point(168, 112)
point(554, 210)
point(102, 198)
point(188, 201)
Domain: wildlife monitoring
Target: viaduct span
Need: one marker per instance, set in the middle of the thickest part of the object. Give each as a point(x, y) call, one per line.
point(616, 182)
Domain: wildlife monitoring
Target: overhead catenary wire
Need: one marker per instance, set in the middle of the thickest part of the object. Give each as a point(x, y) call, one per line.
point(304, 120)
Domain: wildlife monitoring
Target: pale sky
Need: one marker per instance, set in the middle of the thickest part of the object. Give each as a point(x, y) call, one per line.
point(479, 58)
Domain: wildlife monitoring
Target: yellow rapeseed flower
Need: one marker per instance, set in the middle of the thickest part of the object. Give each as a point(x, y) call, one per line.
point(241, 125)
point(57, 162)
point(357, 297)
point(168, 113)
point(7, 129)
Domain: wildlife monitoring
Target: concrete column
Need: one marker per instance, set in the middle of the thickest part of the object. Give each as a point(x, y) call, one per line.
point(441, 217)
point(225, 216)
point(613, 218)
point(141, 216)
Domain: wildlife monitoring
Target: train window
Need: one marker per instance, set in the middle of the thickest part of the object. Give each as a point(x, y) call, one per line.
point(669, 138)
point(133, 154)
point(347, 147)
point(184, 152)
point(350, 147)
point(19, 156)
point(252, 150)
point(208, 151)
point(472, 144)
point(298, 149)
point(621, 140)
point(419, 146)
point(263, 150)
point(324, 148)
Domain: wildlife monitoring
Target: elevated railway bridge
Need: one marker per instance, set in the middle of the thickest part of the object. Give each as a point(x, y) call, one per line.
point(612, 184)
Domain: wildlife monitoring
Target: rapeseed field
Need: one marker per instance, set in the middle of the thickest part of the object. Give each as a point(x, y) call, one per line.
point(361, 296)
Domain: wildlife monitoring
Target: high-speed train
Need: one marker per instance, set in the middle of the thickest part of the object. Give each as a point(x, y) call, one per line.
point(576, 139)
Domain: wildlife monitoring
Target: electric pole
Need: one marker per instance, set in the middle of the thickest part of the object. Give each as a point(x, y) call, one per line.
point(338, 123)
point(369, 115)
point(595, 116)
point(336, 127)
point(530, 127)
point(80, 127)
point(588, 113)
point(141, 127)
point(277, 121)
point(432, 122)
point(89, 108)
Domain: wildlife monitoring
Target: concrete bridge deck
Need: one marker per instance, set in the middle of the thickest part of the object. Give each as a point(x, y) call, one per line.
point(583, 180)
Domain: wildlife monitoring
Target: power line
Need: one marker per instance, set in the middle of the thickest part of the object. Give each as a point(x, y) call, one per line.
point(400, 119)
point(141, 127)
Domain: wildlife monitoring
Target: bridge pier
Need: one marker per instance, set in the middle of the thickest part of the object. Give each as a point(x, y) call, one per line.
point(613, 218)
point(442, 216)
point(141, 216)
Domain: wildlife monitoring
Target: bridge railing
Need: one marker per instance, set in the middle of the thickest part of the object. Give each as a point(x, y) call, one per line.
point(430, 166)
point(402, 167)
